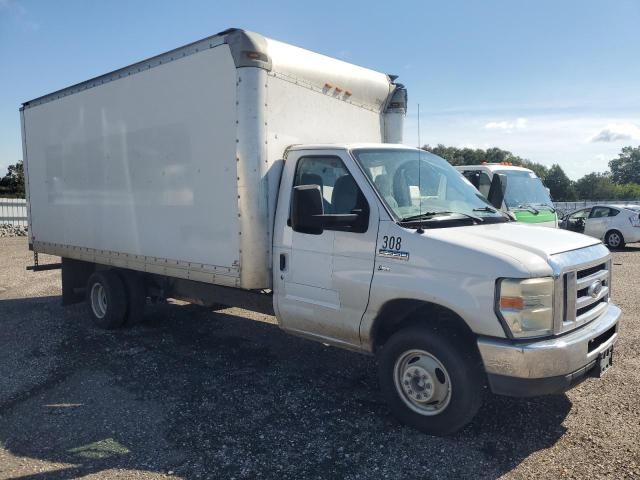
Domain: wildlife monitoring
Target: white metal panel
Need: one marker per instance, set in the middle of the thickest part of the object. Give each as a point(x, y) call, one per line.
point(394, 127)
point(144, 165)
point(255, 174)
point(25, 160)
point(300, 115)
point(342, 80)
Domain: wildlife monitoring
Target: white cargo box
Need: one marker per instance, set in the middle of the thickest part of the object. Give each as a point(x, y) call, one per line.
point(172, 165)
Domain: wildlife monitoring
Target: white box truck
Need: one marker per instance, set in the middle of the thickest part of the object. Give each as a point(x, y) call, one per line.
point(244, 171)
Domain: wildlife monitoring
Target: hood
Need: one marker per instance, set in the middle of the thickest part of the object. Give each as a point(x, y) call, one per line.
point(527, 245)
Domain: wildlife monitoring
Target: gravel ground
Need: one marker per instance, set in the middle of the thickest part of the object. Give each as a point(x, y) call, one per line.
point(194, 393)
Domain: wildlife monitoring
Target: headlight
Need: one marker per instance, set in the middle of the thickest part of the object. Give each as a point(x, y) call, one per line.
point(526, 305)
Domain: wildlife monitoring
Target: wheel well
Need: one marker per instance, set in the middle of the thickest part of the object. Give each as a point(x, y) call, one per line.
point(398, 314)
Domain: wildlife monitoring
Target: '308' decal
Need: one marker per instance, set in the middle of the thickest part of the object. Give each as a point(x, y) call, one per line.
point(390, 248)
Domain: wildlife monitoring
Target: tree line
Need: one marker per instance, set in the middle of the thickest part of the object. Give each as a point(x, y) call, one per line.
point(12, 184)
point(621, 182)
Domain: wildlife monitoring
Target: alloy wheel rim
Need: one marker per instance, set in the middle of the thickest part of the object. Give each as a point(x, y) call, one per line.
point(614, 239)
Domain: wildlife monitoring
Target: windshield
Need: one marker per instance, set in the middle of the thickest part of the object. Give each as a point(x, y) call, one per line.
point(525, 189)
point(414, 183)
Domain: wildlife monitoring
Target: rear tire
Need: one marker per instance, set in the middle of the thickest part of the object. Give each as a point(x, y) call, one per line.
point(107, 299)
point(136, 297)
point(614, 239)
point(432, 380)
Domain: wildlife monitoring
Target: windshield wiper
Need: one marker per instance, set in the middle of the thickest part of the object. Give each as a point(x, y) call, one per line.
point(546, 205)
point(493, 210)
point(429, 215)
point(529, 207)
point(485, 209)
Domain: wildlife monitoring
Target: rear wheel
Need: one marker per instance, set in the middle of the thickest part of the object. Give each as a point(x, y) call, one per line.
point(431, 380)
point(136, 296)
point(614, 239)
point(107, 299)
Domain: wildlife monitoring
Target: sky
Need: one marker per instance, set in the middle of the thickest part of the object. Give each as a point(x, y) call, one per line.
point(551, 81)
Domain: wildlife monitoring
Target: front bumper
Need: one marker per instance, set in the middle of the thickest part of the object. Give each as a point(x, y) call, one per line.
point(551, 365)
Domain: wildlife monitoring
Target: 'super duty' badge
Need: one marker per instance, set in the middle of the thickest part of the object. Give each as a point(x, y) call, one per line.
point(385, 252)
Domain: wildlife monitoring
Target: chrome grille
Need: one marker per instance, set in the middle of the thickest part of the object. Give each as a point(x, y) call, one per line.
point(586, 294)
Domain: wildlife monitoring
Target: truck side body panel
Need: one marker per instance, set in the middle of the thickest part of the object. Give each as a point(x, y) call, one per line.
point(172, 165)
point(142, 166)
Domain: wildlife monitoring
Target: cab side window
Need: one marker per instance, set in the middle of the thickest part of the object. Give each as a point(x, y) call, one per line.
point(480, 180)
point(340, 193)
point(613, 212)
point(599, 212)
point(484, 184)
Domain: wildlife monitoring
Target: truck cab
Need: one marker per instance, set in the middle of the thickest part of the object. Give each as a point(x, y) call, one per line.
point(387, 250)
point(526, 197)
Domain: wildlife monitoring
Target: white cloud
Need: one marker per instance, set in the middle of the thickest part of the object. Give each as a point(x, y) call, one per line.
point(548, 139)
point(519, 124)
point(617, 131)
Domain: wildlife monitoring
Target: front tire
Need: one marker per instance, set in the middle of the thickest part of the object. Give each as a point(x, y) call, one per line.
point(614, 239)
point(432, 380)
point(107, 299)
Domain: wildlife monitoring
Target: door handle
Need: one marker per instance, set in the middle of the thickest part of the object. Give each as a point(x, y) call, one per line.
point(283, 262)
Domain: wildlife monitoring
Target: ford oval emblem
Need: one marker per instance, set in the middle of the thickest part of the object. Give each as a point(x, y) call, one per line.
point(595, 288)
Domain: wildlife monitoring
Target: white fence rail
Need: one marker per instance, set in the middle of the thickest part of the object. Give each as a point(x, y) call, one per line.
point(568, 207)
point(13, 211)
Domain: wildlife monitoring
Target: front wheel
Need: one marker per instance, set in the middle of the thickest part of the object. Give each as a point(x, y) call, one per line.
point(431, 380)
point(614, 239)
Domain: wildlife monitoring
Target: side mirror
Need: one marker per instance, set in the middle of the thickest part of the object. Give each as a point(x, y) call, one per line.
point(497, 190)
point(307, 209)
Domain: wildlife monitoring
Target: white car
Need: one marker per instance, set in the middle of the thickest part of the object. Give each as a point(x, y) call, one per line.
point(615, 225)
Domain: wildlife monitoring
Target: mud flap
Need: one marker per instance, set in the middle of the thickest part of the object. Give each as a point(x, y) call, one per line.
point(75, 275)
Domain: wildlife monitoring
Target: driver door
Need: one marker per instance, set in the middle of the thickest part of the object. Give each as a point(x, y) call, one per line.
point(322, 282)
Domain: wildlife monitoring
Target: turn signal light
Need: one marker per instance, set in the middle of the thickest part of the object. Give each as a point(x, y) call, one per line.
point(511, 303)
